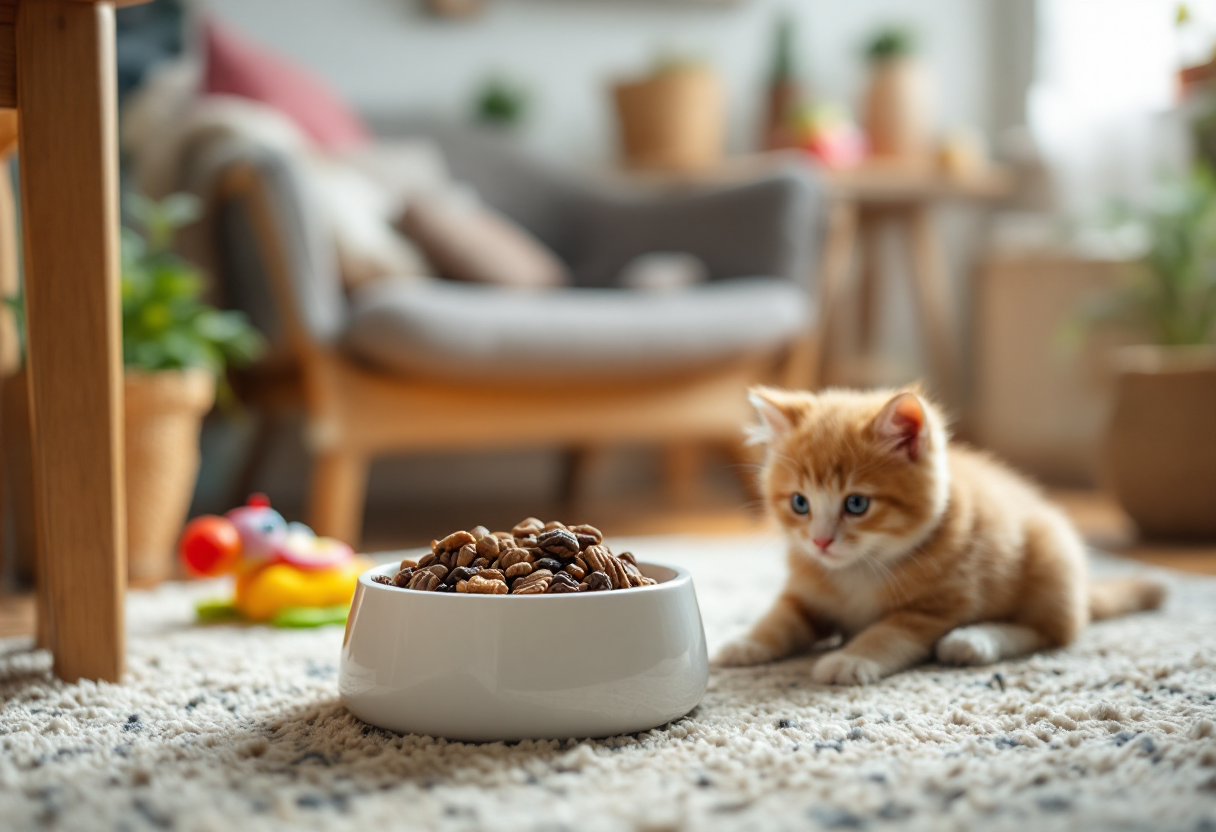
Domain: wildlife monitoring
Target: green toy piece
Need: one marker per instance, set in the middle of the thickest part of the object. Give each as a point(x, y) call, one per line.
point(219, 611)
point(302, 617)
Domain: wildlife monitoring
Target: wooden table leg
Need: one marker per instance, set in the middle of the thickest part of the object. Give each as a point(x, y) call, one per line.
point(69, 184)
point(932, 291)
point(838, 253)
point(807, 365)
point(869, 276)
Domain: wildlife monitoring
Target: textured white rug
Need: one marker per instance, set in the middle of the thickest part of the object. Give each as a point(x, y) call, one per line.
point(228, 728)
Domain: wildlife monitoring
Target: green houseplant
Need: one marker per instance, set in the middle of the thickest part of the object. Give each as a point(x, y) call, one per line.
point(175, 349)
point(1161, 443)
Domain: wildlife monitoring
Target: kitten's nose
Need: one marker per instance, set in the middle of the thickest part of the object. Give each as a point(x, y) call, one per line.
point(823, 542)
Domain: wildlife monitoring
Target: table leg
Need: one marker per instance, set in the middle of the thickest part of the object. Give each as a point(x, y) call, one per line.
point(931, 288)
point(69, 184)
point(808, 366)
point(868, 276)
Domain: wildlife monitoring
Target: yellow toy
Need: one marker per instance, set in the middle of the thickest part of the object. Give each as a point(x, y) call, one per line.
point(285, 574)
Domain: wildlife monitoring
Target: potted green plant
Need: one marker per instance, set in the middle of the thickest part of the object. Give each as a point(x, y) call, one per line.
point(784, 91)
point(896, 110)
point(1161, 444)
point(175, 349)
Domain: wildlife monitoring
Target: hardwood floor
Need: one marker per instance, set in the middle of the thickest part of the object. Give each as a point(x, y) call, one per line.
point(719, 513)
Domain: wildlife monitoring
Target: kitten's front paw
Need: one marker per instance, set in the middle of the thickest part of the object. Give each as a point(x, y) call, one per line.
point(841, 668)
point(968, 646)
point(744, 653)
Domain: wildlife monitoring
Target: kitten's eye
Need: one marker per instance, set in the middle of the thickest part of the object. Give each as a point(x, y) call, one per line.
point(856, 504)
point(799, 504)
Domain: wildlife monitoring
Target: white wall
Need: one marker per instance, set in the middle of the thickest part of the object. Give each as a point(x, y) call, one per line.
point(388, 56)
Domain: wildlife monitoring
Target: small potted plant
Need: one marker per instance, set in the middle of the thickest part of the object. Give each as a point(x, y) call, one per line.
point(175, 348)
point(674, 118)
point(896, 111)
point(1161, 445)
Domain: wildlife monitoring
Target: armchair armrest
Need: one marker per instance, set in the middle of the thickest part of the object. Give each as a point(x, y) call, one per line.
point(276, 259)
point(764, 227)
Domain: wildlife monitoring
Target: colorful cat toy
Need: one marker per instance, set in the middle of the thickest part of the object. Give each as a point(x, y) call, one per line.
point(285, 573)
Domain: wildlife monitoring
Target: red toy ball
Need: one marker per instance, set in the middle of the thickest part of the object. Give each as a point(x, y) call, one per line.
point(209, 545)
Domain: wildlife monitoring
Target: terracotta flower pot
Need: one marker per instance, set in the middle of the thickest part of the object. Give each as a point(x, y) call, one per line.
point(897, 111)
point(673, 120)
point(164, 413)
point(1161, 445)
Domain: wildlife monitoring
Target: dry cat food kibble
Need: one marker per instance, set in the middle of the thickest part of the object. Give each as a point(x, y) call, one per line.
point(534, 558)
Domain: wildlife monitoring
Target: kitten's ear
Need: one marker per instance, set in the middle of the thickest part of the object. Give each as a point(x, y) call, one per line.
point(778, 415)
point(902, 423)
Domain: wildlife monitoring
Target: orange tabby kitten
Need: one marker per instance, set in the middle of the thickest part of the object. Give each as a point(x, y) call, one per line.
point(906, 544)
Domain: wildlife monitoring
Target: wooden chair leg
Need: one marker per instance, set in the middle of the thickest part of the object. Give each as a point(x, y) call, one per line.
point(339, 488)
point(69, 184)
point(577, 465)
point(683, 465)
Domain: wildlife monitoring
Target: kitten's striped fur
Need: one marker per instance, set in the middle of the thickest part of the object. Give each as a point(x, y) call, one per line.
point(955, 555)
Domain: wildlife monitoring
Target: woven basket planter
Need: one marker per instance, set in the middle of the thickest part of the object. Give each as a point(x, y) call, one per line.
point(673, 121)
point(164, 414)
point(1161, 446)
point(896, 112)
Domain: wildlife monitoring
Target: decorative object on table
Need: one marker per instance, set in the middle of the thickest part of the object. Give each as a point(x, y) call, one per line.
point(174, 347)
point(1161, 445)
point(784, 91)
point(673, 119)
point(962, 153)
point(501, 102)
point(285, 574)
point(897, 115)
point(825, 131)
point(16, 449)
point(455, 9)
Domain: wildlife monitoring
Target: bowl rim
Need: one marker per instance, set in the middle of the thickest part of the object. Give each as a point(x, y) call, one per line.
point(681, 578)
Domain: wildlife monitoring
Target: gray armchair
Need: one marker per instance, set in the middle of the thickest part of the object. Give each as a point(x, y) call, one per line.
point(402, 365)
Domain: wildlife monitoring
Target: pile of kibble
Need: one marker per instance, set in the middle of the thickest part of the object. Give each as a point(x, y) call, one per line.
point(533, 558)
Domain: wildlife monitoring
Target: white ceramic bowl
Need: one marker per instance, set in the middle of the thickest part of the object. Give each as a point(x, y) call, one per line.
point(504, 667)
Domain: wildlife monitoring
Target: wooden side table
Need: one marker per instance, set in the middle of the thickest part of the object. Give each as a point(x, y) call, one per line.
point(861, 202)
point(57, 73)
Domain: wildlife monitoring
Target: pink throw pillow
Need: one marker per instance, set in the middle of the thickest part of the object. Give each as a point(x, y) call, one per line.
point(237, 66)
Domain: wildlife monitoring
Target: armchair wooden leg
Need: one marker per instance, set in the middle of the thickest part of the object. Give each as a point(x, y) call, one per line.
point(69, 184)
point(683, 464)
point(577, 464)
point(808, 366)
point(339, 488)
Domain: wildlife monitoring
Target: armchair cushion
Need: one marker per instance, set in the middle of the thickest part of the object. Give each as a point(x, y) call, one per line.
point(469, 241)
point(763, 226)
point(461, 331)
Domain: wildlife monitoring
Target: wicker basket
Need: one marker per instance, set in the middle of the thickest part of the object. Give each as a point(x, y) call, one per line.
point(1160, 447)
point(897, 112)
point(671, 121)
point(164, 413)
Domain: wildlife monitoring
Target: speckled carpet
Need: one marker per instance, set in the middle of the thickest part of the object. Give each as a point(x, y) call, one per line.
point(226, 728)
